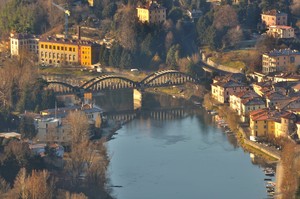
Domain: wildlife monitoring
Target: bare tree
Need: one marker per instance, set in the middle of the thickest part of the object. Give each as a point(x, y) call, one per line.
point(34, 186)
point(4, 187)
point(295, 7)
point(126, 21)
point(234, 36)
point(79, 127)
point(289, 180)
point(225, 16)
point(87, 160)
point(75, 196)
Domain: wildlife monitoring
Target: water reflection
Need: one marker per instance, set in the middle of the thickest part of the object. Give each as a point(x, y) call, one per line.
point(171, 149)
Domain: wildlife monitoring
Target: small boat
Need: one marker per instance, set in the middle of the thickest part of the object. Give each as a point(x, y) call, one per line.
point(267, 179)
point(269, 173)
point(228, 131)
point(270, 183)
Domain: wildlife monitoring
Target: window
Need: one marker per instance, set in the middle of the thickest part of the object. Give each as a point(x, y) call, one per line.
point(58, 47)
point(70, 49)
point(46, 46)
point(54, 47)
point(50, 46)
point(42, 46)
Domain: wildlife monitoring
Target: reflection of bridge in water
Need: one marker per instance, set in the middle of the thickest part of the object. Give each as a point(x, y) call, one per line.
point(158, 114)
point(109, 82)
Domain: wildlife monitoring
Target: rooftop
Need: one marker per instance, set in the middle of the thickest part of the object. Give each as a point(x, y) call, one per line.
point(68, 41)
point(246, 94)
point(23, 36)
point(281, 27)
point(274, 13)
point(152, 5)
point(270, 114)
point(8, 135)
point(280, 52)
point(253, 101)
point(230, 83)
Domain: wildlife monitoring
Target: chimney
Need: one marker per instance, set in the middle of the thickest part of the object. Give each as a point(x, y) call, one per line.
point(78, 33)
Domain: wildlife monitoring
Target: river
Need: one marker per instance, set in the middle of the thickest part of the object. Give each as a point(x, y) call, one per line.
point(162, 154)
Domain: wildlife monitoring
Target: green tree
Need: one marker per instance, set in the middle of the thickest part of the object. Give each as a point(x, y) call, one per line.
point(105, 57)
point(202, 25)
point(27, 128)
point(15, 156)
point(22, 16)
point(147, 46)
point(109, 10)
point(126, 59)
point(175, 14)
point(173, 56)
point(115, 55)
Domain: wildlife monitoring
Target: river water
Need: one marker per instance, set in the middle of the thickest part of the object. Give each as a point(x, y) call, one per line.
point(165, 154)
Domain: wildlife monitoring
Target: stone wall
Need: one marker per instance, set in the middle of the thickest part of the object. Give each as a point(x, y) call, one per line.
point(206, 59)
point(222, 67)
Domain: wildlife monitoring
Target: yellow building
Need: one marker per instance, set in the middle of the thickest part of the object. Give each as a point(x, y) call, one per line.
point(91, 3)
point(259, 123)
point(276, 123)
point(279, 60)
point(57, 51)
point(151, 13)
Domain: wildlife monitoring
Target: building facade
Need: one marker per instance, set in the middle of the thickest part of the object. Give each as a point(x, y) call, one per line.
point(274, 17)
point(235, 100)
point(22, 43)
point(267, 122)
point(222, 90)
point(280, 60)
point(57, 51)
point(283, 32)
point(152, 13)
point(250, 104)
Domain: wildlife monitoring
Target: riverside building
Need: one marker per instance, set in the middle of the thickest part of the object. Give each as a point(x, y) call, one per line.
point(57, 51)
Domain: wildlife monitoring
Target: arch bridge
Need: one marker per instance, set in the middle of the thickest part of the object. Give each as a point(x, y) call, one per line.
point(163, 78)
point(62, 88)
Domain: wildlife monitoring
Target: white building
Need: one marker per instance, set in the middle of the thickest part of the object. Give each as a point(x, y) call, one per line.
point(283, 32)
point(23, 42)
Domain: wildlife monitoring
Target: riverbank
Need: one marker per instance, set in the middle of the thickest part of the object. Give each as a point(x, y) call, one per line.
point(273, 153)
